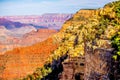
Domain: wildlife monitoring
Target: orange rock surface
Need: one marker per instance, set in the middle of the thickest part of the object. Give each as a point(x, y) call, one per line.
point(23, 61)
point(28, 39)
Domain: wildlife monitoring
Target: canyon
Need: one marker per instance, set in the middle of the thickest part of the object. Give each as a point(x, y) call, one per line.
point(17, 31)
point(87, 47)
point(48, 20)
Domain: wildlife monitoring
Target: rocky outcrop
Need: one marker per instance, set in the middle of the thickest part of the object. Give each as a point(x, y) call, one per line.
point(73, 69)
point(56, 67)
point(66, 68)
point(98, 64)
point(89, 34)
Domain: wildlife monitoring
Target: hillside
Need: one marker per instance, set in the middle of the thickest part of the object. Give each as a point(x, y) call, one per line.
point(28, 39)
point(22, 61)
point(36, 36)
point(89, 47)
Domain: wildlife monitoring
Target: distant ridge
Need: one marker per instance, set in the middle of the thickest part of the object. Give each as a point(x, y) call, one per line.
point(48, 20)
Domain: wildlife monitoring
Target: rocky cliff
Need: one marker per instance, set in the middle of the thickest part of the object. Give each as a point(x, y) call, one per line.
point(20, 62)
point(89, 48)
point(89, 34)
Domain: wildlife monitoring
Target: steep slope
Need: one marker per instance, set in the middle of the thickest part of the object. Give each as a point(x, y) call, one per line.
point(9, 42)
point(36, 36)
point(88, 34)
point(5, 39)
point(22, 61)
point(115, 62)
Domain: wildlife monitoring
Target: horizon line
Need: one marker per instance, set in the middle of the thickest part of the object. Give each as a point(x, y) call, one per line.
point(34, 14)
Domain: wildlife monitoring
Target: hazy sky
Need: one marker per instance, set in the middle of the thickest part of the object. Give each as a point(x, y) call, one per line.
point(38, 7)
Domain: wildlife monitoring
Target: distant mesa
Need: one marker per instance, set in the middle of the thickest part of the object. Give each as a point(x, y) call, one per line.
point(10, 24)
point(49, 20)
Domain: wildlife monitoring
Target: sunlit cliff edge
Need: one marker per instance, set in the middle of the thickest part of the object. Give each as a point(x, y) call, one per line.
point(90, 35)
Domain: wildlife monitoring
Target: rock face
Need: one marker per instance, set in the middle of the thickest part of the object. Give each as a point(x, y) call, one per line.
point(98, 65)
point(36, 36)
point(66, 68)
point(20, 62)
point(88, 33)
point(73, 69)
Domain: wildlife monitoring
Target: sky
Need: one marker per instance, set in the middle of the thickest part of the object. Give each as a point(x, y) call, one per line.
point(38, 7)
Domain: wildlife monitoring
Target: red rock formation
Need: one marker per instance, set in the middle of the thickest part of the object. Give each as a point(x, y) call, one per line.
point(23, 61)
point(28, 39)
point(36, 36)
